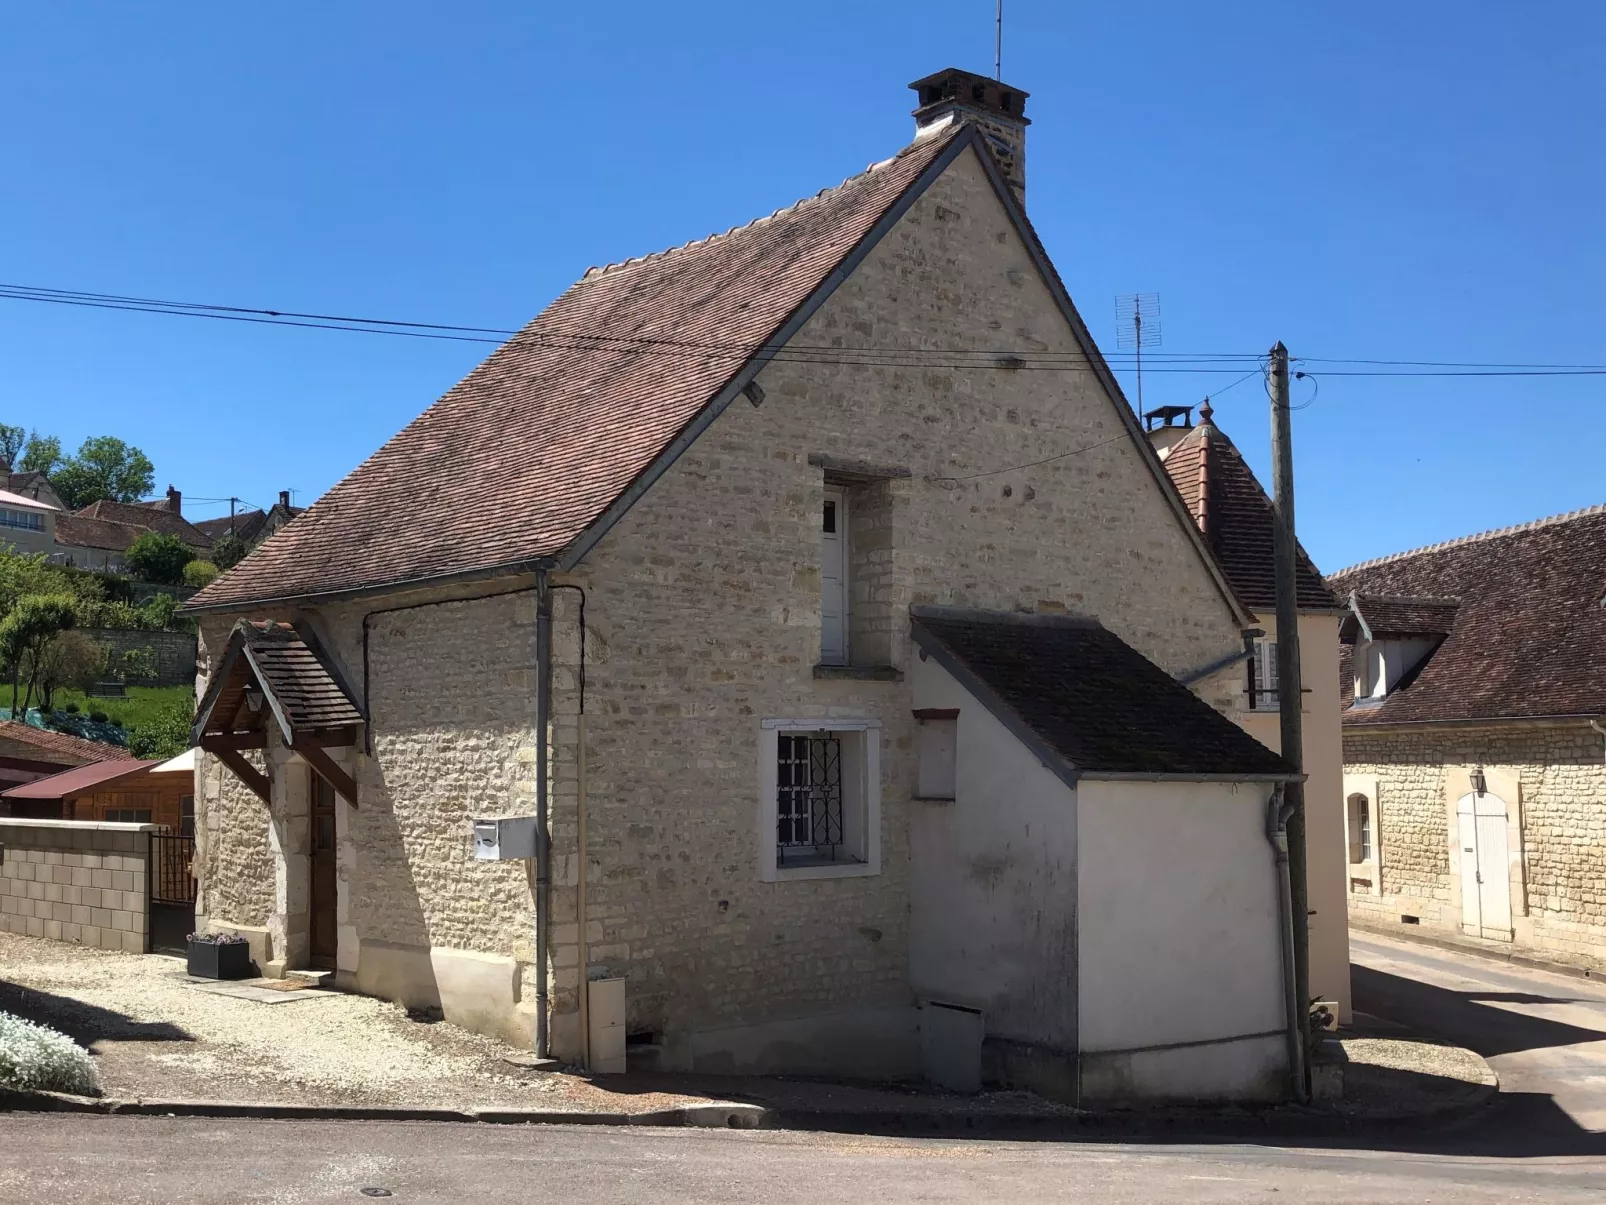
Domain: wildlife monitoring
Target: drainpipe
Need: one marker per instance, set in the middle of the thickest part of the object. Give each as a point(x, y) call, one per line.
point(581, 853)
point(1595, 724)
point(543, 835)
point(1277, 814)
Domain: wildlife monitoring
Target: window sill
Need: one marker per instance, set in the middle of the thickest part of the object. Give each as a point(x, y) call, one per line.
point(828, 870)
point(859, 673)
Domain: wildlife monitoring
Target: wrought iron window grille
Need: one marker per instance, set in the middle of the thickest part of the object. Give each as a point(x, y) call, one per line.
point(808, 803)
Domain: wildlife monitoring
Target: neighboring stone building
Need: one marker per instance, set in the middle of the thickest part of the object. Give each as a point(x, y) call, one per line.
point(1475, 738)
point(849, 733)
point(252, 526)
point(1236, 517)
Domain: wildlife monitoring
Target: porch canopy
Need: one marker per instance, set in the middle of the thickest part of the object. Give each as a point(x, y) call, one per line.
point(277, 673)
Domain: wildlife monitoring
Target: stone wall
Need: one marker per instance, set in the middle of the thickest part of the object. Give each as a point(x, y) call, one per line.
point(1552, 777)
point(75, 880)
point(175, 652)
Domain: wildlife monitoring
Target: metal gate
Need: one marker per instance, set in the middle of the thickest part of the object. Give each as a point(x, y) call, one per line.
point(170, 877)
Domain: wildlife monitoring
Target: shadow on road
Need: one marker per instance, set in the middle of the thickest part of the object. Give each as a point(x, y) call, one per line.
point(84, 1023)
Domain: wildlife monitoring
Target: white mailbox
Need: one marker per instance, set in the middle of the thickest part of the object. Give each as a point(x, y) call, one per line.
point(504, 838)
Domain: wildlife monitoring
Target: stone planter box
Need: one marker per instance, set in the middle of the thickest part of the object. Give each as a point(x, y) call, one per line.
point(219, 960)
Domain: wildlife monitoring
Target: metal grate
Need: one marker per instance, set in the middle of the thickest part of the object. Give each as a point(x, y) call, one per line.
point(172, 869)
point(808, 803)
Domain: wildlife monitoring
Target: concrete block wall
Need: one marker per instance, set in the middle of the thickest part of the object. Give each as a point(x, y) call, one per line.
point(75, 880)
point(1557, 773)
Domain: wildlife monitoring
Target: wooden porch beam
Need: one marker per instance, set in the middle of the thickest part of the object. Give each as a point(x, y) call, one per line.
point(325, 765)
point(244, 770)
point(213, 741)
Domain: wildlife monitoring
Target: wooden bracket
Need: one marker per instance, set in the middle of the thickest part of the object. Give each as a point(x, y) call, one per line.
point(243, 770)
point(325, 765)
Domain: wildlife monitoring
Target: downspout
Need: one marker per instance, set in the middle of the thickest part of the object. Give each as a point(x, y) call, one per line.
point(583, 956)
point(543, 835)
point(1595, 724)
point(1277, 814)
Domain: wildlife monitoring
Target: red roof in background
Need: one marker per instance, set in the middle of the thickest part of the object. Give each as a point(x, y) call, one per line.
point(537, 442)
point(77, 780)
point(1235, 515)
point(152, 517)
point(75, 747)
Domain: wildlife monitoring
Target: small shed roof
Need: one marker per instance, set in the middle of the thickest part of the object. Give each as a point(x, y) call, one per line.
point(78, 780)
point(1086, 700)
point(298, 683)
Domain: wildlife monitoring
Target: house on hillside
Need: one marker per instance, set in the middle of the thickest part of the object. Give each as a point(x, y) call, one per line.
point(26, 525)
point(252, 526)
point(31, 484)
point(159, 517)
point(1235, 515)
point(1475, 738)
point(787, 706)
point(98, 535)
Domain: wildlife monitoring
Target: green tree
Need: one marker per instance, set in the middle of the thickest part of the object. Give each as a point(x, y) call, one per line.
point(32, 624)
point(229, 551)
point(11, 441)
point(70, 659)
point(200, 573)
point(158, 557)
point(105, 468)
point(42, 455)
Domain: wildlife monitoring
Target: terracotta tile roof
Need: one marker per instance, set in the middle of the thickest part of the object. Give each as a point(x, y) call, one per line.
point(1087, 696)
point(302, 684)
point(1388, 615)
point(246, 524)
point(1235, 515)
point(527, 451)
point(150, 517)
point(77, 531)
point(1529, 633)
point(78, 779)
point(61, 744)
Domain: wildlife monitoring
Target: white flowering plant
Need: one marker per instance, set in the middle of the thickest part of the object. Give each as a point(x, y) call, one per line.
point(35, 1057)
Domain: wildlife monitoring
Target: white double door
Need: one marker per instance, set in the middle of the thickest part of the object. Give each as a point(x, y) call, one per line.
point(1485, 866)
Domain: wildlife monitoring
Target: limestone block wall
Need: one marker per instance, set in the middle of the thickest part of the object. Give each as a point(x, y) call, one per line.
point(75, 880)
point(1552, 777)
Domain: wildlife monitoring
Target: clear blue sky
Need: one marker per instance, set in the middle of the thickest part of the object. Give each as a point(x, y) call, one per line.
point(1417, 180)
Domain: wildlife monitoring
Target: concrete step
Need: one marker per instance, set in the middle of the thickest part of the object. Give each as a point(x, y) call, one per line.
point(313, 978)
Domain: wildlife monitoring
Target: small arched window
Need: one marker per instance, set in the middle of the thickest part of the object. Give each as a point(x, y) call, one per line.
point(1359, 817)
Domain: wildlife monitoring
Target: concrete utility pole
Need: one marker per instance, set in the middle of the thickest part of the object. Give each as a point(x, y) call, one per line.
point(1290, 696)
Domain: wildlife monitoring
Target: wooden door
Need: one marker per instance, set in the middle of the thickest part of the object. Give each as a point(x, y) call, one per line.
point(1485, 874)
point(321, 919)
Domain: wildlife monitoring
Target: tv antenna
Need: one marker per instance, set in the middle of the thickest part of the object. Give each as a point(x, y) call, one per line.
point(1137, 325)
point(998, 45)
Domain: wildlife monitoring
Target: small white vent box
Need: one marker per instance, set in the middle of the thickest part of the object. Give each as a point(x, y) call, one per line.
point(504, 838)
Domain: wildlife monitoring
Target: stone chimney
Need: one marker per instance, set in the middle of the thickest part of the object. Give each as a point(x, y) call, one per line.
point(175, 501)
point(284, 499)
point(998, 110)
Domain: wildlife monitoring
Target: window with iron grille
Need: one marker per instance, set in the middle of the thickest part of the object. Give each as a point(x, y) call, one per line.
point(820, 809)
point(808, 796)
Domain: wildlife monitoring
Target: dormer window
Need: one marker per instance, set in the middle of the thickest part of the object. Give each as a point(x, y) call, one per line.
point(1392, 637)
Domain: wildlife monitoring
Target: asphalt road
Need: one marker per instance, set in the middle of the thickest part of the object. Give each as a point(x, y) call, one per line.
point(1545, 1141)
point(1543, 1033)
point(135, 1161)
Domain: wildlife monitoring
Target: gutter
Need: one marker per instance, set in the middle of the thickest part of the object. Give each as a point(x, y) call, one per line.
point(1278, 814)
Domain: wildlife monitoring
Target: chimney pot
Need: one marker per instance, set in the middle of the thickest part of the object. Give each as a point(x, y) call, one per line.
point(998, 110)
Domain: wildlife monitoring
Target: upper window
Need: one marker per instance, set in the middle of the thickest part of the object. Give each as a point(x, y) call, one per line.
point(129, 815)
point(834, 579)
point(820, 806)
point(1263, 676)
point(1358, 810)
point(24, 520)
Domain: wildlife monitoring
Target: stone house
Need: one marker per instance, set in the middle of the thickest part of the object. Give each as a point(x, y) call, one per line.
point(252, 526)
point(835, 650)
point(1474, 697)
point(1235, 515)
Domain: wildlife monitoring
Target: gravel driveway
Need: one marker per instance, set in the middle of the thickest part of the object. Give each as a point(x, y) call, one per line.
point(156, 1034)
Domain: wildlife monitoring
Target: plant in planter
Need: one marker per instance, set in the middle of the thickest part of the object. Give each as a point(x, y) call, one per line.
point(219, 956)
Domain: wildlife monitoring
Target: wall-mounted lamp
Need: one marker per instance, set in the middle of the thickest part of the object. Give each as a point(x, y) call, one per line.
point(1478, 783)
point(253, 699)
